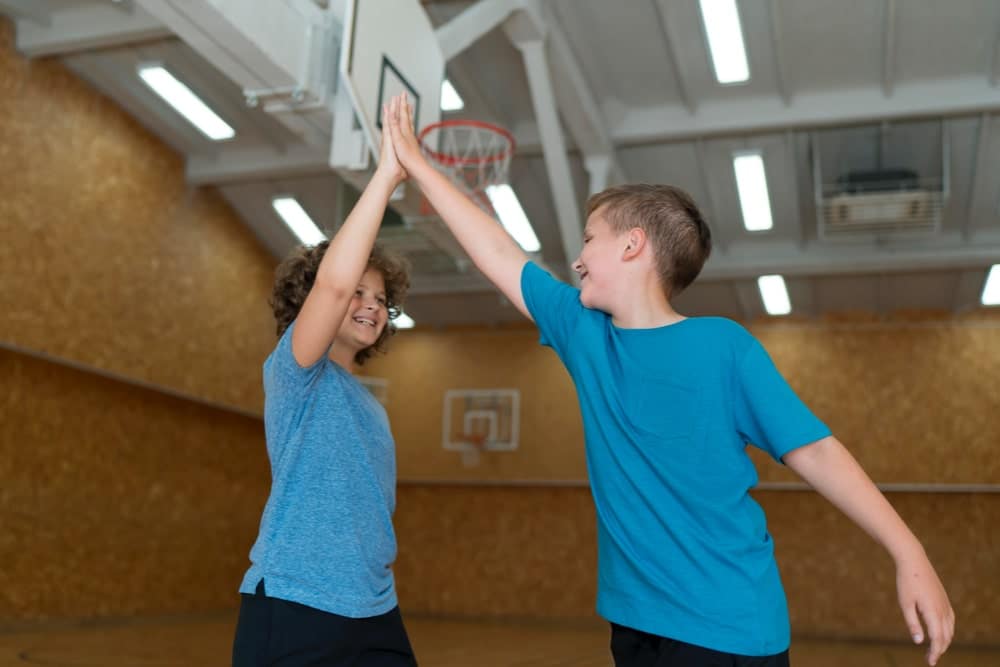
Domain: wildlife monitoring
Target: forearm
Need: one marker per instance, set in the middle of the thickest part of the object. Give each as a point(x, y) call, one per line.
point(347, 256)
point(830, 469)
point(477, 232)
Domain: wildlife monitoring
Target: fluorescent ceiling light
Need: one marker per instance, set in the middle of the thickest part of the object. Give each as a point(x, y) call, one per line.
point(450, 99)
point(752, 186)
point(775, 296)
point(725, 40)
point(991, 289)
point(185, 102)
point(404, 321)
point(298, 220)
point(512, 216)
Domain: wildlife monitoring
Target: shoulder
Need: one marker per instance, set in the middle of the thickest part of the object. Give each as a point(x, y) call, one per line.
point(722, 327)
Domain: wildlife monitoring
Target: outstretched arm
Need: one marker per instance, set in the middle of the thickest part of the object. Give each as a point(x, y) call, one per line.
point(344, 263)
point(830, 469)
point(488, 244)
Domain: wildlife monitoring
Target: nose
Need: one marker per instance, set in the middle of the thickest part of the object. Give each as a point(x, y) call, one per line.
point(578, 265)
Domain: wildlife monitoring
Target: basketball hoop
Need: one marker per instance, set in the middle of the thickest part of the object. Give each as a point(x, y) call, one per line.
point(474, 445)
point(472, 153)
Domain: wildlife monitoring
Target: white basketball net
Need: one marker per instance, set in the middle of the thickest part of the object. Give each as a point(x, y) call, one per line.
point(473, 156)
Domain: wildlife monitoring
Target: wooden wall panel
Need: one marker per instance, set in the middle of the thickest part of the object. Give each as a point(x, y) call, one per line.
point(117, 500)
point(528, 551)
point(108, 257)
point(915, 402)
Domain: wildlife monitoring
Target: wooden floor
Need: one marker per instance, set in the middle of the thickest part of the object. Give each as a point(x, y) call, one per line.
point(206, 640)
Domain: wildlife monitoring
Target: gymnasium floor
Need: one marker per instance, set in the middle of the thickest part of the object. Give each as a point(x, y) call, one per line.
point(193, 641)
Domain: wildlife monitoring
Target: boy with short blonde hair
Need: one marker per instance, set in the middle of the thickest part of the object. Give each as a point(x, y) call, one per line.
point(686, 569)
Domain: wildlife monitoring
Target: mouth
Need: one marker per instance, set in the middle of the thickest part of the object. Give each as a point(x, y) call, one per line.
point(365, 321)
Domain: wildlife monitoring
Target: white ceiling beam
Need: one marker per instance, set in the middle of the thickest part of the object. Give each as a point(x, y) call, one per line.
point(780, 75)
point(576, 102)
point(793, 184)
point(712, 210)
point(87, 27)
point(807, 110)
point(276, 50)
point(28, 10)
point(599, 169)
point(889, 48)
point(553, 146)
point(973, 207)
point(468, 27)
point(528, 31)
point(748, 297)
point(238, 165)
point(995, 61)
point(675, 68)
point(944, 252)
point(756, 115)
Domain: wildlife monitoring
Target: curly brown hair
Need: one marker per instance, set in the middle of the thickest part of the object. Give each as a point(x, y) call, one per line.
point(295, 276)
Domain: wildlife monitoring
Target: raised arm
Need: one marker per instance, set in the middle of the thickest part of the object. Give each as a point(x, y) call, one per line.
point(488, 244)
point(836, 475)
point(344, 262)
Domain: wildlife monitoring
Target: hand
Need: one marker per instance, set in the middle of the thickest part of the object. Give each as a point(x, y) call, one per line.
point(404, 141)
point(388, 163)
point(921, 595)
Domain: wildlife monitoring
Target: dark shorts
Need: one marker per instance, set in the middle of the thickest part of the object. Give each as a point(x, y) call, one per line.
point(287, 634)
point(634, 648)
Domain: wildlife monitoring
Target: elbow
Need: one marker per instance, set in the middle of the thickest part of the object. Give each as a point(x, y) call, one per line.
point(808, 456)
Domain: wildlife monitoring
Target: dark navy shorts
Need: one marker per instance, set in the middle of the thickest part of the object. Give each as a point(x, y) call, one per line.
point(287, 634)
point(634, 648)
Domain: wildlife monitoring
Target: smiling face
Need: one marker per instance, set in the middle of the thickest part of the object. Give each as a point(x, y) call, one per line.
point(598, 263)
point(367, 314)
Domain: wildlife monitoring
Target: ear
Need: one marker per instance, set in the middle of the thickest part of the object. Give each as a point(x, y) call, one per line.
point(635, 241)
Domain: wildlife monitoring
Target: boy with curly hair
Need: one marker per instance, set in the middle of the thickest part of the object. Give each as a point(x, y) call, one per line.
point(320, 588)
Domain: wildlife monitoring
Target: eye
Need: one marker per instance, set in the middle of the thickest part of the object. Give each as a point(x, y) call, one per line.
point(357, 292)
point(381, 301)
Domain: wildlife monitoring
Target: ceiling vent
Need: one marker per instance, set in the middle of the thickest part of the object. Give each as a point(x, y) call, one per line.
point(890, 200)
point(868, 201)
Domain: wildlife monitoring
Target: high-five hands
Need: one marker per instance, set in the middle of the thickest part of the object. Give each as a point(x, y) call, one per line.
point(400, 129)
point(388, 162)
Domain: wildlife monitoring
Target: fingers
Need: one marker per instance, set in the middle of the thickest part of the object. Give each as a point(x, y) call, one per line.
point(940, 628)
point(913, 622)
point(393, 124)
point(409, 114)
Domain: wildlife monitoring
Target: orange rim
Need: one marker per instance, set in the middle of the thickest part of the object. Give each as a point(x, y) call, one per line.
point(452, 160)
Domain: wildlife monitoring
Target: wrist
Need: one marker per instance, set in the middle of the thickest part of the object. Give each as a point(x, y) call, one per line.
point(909, 551)
point(384, 178)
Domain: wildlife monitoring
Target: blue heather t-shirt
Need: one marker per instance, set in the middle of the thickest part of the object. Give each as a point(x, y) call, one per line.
point(683, 550)
point(326, 538)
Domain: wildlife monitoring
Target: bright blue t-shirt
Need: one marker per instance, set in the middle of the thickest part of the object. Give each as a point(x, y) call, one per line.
point(326, 538)
point(683, 550)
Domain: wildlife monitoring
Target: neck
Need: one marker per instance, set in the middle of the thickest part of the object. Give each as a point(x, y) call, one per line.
point(646, 308)
point(343, 356)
